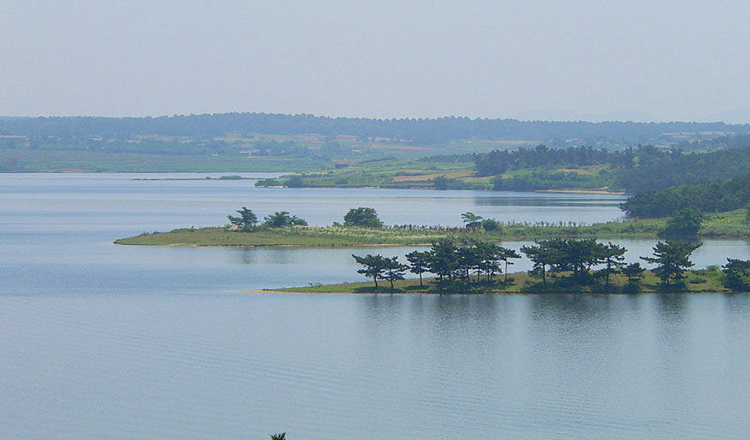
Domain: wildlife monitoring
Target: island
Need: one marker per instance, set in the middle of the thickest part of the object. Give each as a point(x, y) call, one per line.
point(283, 232)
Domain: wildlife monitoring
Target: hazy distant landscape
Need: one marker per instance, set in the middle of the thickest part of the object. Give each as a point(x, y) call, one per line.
point(278, 142)
point(375, 220)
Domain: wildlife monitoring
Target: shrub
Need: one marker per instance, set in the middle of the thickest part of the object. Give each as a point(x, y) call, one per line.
point(295, 181)
point(490, 224)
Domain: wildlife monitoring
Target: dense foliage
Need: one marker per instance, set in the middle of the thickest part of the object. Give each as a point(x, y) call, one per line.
point(634, 170)
point(707, 197)
point(363, 217)
point(737, 274)
point(576, 256)
point(545, 179)
point(684, 223)
point(661, 171)
point(500, 161)
point(446, 259)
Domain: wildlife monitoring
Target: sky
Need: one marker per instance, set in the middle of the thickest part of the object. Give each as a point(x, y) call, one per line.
point(557, 60)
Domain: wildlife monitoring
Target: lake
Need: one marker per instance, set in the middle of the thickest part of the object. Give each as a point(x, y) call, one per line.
point(121, 342)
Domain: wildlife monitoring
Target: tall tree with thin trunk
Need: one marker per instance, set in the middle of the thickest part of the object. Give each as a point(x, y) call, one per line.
point(394, 270)
point(419, 263)
point(505, 255)
point(672, 259)
point(375, 266)
point(612, 256)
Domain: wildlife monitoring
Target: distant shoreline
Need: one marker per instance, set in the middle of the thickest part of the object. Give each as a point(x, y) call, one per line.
point(582, 191)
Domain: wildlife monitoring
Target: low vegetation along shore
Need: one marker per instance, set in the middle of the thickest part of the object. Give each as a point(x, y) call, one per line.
point(696, 281)
point(727, 224)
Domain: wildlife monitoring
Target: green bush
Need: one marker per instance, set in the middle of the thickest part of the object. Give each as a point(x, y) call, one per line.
point(490, 224)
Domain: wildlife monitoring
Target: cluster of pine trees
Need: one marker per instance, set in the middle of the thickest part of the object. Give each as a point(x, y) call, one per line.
point(451, 262)
point(446, 259)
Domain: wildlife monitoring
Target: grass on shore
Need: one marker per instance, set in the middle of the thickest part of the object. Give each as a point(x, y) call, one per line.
point(704, 280)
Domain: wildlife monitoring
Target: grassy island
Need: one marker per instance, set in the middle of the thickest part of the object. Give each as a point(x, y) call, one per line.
point(726, 224)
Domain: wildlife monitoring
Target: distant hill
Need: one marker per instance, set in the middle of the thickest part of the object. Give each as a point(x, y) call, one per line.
point(411, 131)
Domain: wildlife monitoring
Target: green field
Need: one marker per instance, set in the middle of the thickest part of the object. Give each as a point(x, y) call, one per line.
point(390, 173)
point(451, 173)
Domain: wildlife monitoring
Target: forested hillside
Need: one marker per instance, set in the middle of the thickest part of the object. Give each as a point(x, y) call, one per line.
point(655, 172)
point(720, 196)
point(633, 169)
point(500, 161)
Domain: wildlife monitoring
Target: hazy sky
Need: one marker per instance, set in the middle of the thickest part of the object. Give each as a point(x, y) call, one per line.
point(641, 60)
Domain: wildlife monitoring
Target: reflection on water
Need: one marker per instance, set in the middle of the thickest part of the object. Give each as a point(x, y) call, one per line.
point(671, 307)
point(436, 366)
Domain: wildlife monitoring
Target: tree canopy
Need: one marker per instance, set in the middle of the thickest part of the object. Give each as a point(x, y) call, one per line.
point(282, 219)
point(672, 259)
point(363, 217)
point(246, 220)
point(684, 223)
point(380, 267)
point(577, 256)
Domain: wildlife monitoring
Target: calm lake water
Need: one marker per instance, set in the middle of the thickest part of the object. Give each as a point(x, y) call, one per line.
point(114, 342)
